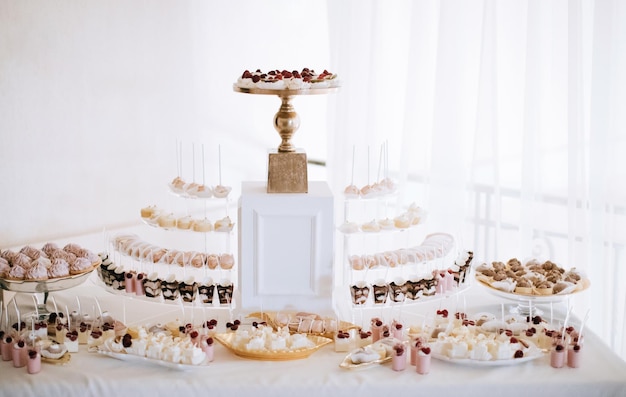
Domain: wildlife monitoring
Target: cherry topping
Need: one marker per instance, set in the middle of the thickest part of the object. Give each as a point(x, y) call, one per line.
point(519, 354)
point(426, 350)
point(32, 353)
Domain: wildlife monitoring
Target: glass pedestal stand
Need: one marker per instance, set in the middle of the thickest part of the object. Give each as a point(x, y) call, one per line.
point(40, 290)
point(287, 170)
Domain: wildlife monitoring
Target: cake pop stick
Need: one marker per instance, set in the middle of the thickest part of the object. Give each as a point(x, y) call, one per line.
point(219, 163)
point(180, 158)
point(368, 165)
point(380, 160)
point(95, 298)
point(19, 319)
point(177, 160)
point(569, 311)
point(203, 172)
point(79, 308)
point(352, 172)
point(36, 302)
point(582, 326)
point(193, 162)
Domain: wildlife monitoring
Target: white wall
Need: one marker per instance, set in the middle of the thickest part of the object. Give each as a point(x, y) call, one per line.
point(94, 96)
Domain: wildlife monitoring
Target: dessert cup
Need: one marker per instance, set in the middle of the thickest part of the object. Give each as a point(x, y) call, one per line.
point(33, 365)
point(360, 293)
point(377, 329)
point(381, 290)
point(6, 348)
point(573, 356)
point(557, 356)
point(398, 361)
point(20, 354)
point(206, 291)
point(422, 363)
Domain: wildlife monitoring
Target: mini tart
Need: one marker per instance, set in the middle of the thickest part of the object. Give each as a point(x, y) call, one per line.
point(198, 260)
point(352, 191)
point(224, 225)
point(202, 225)
point(220, 191)
point(227, 261)
point(167, 221)
point(212, 261)
point(402, 221)
point(204, 191)
point(371, 227)
point(524, 290)
point(148, 212)
point(184, 222)
point(356, 262)
point(544, 290)
point(386, 224)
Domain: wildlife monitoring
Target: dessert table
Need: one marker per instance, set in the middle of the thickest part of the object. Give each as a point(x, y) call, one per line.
point(602, 373)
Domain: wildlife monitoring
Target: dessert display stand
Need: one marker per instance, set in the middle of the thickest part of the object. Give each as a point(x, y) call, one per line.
point(387, 279)
point(287, 165)
point(190, 270)
point(286, 224)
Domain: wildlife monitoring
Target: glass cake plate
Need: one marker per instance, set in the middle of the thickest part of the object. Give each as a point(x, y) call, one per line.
point(226, 339)
point(131, 358)
point(285, 91)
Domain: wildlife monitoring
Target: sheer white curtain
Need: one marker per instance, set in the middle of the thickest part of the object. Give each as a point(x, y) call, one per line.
point(505, 120)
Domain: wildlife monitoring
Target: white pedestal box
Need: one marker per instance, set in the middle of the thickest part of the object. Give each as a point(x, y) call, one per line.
point(286, 248)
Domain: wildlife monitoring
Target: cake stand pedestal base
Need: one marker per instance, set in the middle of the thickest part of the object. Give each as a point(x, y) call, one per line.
point(287, 172)
point(286, 249)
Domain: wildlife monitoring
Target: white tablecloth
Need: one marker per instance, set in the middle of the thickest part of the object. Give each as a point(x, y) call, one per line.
point(602, 373)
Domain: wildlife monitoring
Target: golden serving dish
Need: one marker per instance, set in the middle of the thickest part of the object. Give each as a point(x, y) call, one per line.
point(226, 339)
point(64, 359)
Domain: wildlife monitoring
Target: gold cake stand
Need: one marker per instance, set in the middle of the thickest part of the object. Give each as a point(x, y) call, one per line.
point(287, 171)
